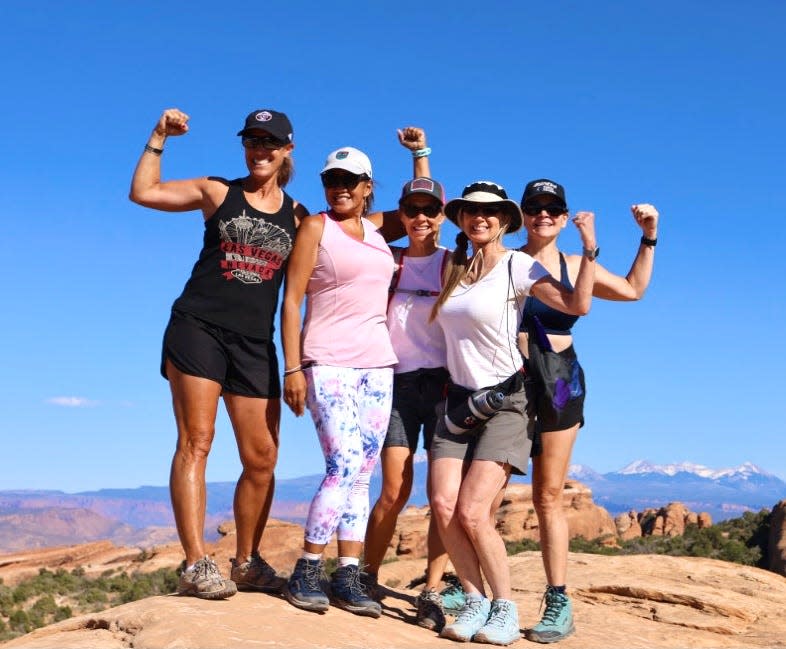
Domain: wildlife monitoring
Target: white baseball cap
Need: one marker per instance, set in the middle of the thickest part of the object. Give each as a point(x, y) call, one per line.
point(349, 159)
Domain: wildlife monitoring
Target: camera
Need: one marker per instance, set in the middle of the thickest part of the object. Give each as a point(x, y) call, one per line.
point(475, 409)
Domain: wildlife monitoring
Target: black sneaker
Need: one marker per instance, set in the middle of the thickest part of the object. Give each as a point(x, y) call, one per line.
point(430, 614)
point(303, 588)
point(350, 594)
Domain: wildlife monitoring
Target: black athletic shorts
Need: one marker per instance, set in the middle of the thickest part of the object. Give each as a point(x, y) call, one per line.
point(240, 364)
point(415, 398)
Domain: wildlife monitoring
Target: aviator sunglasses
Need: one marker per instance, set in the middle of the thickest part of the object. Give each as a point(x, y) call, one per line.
point(552, 209)
point(262, 142)
point(412, 211)
point(347, 180)
point(470, 209)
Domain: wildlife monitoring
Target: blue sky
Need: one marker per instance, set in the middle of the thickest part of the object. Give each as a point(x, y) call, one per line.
point(679, 104)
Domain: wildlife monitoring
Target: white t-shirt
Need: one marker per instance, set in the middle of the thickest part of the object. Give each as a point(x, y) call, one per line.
point(481, 322)
point(416, 341)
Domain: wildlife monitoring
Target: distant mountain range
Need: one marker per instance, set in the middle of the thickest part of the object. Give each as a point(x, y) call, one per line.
point(723, 493)
point(142, 516)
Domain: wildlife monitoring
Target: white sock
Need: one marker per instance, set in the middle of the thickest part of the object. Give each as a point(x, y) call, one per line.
point(311, 556)
point(348, 561)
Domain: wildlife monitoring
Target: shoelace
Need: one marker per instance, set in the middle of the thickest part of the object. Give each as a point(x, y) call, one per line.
point(470, 609)
point(554, 605)
point(498, 615)
point(311, 576)
point(206, 568)
point(356, 587)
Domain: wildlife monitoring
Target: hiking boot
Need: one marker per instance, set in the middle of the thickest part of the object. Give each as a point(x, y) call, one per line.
point(370, 581)
point(349, 593)
point(204, 580)
point(557, 621)
point(469, 621)
point(303, 588)
point(453, 597)
point(256, 574)
point(502, 627)
point(430, 615)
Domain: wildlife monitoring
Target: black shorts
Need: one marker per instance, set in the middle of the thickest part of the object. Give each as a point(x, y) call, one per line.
point(415, 397)
point(240, 364)
point(559, 390)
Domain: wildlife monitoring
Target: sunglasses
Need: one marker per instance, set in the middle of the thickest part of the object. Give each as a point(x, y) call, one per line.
point(552, 209)
point(471, 209)
point(263, 142)
point(347, 180)
point(429, 211)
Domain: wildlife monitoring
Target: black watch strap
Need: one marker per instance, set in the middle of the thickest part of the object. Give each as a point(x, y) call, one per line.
point(648, 242)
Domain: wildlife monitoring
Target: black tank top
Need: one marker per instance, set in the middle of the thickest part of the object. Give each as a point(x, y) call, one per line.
point(235, 282)
point(553, 321)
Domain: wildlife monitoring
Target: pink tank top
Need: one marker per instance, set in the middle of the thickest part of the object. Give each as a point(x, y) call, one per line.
point(347, 296)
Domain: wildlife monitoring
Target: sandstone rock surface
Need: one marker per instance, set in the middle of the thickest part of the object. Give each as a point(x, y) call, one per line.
point(641, 601)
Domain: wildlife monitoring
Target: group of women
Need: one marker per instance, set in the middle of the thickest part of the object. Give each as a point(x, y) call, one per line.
point(394, 340)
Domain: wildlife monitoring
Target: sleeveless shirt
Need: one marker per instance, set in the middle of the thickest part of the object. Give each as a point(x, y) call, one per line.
point(235, 282)
point(347, 294)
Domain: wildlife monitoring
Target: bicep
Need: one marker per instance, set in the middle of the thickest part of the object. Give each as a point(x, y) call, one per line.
point(608, 286)
point(177, 195)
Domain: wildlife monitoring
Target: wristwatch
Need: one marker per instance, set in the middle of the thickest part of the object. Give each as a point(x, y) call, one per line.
point(590, 254)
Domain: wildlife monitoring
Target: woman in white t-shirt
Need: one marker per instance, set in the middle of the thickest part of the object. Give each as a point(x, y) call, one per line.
point(479, 310)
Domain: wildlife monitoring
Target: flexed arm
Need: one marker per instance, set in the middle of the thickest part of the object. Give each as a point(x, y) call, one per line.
point(412, 138)
point(609, 286)
point(554, 293)
point(146, 186)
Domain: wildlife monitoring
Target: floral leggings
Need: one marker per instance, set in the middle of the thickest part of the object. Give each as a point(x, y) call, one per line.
point(351, 409)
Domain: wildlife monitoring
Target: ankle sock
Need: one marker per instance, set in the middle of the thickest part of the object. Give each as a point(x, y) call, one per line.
point(311, 556)
point(348, 561)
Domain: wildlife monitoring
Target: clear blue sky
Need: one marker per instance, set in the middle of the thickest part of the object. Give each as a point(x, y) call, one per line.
point(680, 104)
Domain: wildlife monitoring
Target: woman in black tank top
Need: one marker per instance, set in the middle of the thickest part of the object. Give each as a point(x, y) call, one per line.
point(219, 340)
point(559, 379)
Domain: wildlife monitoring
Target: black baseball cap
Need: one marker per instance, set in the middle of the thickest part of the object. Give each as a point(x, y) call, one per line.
point(275, 123)
point(544, 186)
point(423, 185)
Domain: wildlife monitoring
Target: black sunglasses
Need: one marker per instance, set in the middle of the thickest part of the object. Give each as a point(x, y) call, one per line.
point(262, 142)
point(345, 179)
point(429, 211)
point(552, 209)
point(470, 209)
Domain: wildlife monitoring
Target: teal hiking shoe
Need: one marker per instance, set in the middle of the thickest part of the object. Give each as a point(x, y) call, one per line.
point(349, 593)
point(303, 589)
point(469, 621)
point(502, 627)
point(453, 597)
point(557, 621)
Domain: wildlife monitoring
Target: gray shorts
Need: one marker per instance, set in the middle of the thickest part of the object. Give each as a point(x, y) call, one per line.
point(416, 395)
point(506, 437)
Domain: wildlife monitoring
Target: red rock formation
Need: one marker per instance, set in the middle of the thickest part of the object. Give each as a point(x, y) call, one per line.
point(777, 540)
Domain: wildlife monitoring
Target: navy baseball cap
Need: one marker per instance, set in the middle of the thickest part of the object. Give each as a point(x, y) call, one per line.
point(275, 123)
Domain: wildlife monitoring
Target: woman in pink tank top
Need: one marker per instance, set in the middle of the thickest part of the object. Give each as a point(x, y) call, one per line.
point(341, 367)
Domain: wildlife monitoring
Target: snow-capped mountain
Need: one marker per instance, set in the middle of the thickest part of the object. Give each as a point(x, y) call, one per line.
point(724, 493)
point(744, 470)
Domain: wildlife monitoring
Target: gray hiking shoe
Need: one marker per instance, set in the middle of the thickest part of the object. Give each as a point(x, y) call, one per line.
point(502, 627)
point(204, 580)
point(256, 574)
point(470, 620)
point(430, 614)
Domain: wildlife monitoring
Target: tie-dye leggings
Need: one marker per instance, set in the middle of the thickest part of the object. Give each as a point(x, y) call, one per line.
point(351, 409)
